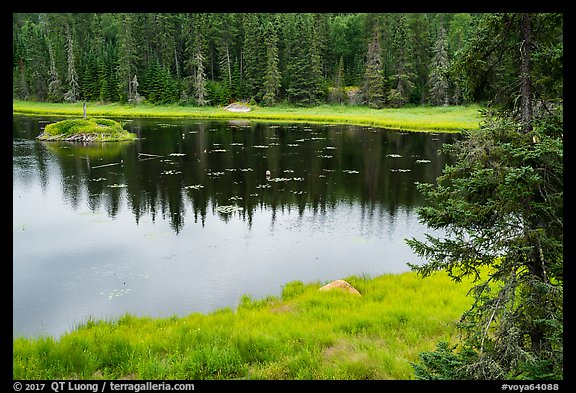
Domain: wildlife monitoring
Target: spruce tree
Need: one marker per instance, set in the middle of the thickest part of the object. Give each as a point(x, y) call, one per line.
point(20, 85)
point(460, 29)
point(300, 80)
point(152, 82)
point(90, 83)
point(419, 28)
point(439, 66)
point(34, 65)
point(253, 55)
point(54, 83)
point(238, 88)
point(272, 77)
point(338, 94)
point(72, 94)
point(126, 68)
point(316, 67)
point(500, 207)
point(373, 88)
point(515, 61)
point(195, 80)
point(226, 34)
point(402, 78)
point(200, 78)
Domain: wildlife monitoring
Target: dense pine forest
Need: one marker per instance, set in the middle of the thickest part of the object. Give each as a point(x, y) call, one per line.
point(378, 60)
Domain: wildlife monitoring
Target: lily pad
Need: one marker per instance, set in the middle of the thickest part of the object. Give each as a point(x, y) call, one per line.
point(227, 209)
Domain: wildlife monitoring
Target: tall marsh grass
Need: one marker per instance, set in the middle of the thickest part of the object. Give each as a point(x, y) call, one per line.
point(302, 334)
point(420, 118)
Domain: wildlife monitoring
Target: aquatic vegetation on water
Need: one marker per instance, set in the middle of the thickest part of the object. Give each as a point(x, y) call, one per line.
point(227, 209)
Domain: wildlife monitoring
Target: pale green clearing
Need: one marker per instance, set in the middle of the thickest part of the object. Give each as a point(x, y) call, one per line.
point(421, 118)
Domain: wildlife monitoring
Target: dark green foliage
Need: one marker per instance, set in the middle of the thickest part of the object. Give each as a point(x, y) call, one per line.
point(218, 93)
point(151, 83)
point(346, 40)
point(419, 26)
point(490, 60)
point(438, 79)
point(238, 88)
point(298, 87)
point(254, 55)
point(272, 78)
point(126, 64)
point(107, 77)
point(95, 56)
point(442, 364)
point(373, 88)
point(89, 82)
point(402, 76)
point(33, 63)
point(158, 86)
point(501, 206)
point(337, 93)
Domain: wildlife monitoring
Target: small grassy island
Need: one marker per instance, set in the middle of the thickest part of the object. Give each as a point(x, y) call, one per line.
point(86, 130)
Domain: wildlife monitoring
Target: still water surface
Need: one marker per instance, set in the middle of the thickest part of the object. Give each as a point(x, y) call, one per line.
point(185, 219)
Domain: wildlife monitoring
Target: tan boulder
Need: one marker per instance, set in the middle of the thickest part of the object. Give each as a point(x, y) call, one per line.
point(235, 107)
point(342, 285)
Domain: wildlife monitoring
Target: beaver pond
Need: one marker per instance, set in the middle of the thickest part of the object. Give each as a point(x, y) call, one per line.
point(195, 214)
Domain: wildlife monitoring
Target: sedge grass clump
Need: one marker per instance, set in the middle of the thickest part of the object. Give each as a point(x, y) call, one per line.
point(303, 334)
point(86, 130)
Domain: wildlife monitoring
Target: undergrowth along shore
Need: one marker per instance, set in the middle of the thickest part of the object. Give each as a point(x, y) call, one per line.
point(302, 334)
point(417, 118)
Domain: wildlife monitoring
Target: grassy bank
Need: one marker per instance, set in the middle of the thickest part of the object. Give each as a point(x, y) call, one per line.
point(302, 334)
point(447, 119)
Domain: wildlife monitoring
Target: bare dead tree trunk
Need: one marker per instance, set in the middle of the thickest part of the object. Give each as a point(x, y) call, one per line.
point(84, 109)
point(228, 63)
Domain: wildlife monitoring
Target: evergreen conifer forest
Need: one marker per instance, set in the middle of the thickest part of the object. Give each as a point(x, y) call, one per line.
point(378, 60)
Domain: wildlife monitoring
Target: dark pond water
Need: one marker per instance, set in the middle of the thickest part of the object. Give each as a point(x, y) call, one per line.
point(185, 219)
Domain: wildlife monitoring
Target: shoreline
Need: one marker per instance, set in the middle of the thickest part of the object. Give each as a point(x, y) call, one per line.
point(418, 119)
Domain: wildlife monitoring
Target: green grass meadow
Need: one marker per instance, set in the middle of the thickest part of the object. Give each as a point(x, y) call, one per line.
point(420, 118)
point(304, 334)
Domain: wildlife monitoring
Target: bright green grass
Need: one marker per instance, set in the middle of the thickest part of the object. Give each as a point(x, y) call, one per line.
point(303, 334)
point(422, 118)
point(98, 130)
